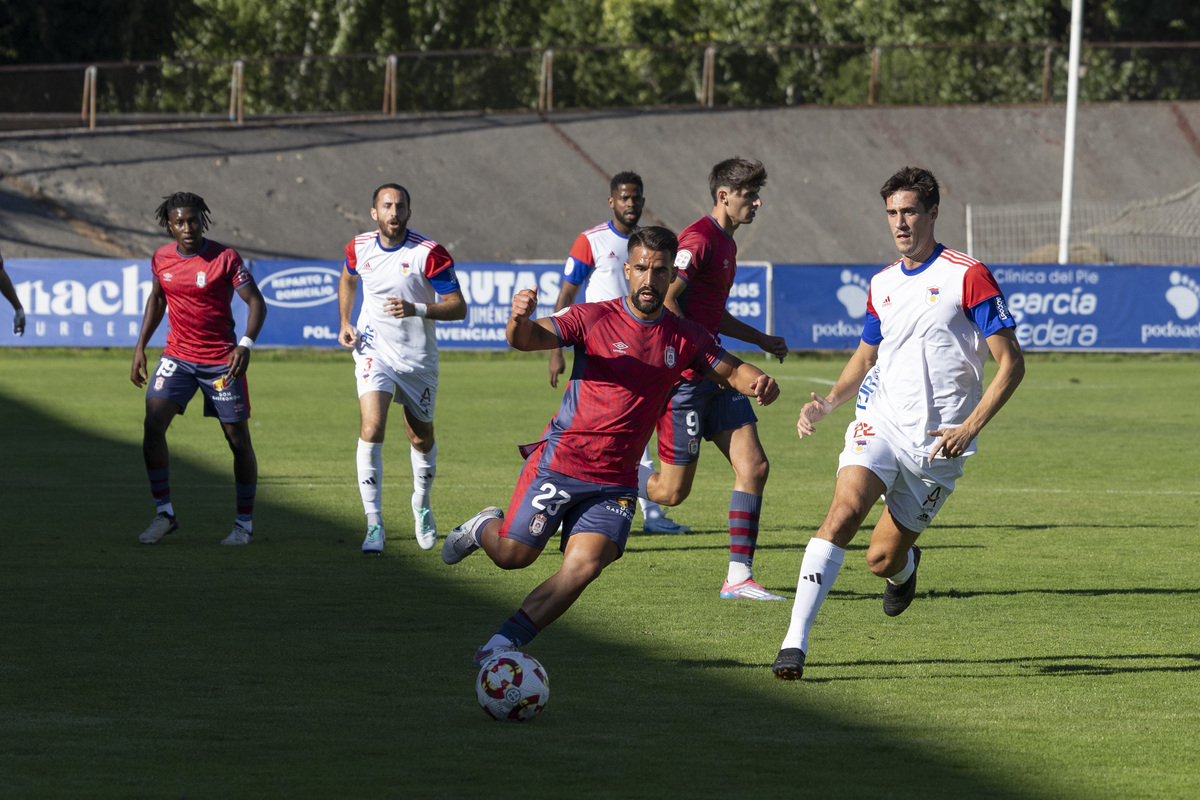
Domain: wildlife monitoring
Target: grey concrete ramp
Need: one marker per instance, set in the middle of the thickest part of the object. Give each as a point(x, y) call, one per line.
point(521, 186)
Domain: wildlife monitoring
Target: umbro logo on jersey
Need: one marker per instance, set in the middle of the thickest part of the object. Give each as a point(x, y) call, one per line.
point(814, 578)
point(619, 348)
point(166, 277)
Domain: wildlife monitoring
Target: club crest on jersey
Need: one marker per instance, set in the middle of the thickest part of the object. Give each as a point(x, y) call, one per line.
point(669, 356)
point(683, 258)
point(693, 445)
point(201, 279)
point(404, 267)
point(934, 294)
point(860, 445)
point(537, 524)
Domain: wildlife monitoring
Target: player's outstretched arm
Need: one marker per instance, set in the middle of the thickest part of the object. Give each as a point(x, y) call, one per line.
point(734, 327)
point(847, 384)
point(566, 298)
point(1010, 370)
point(156, 307)
point(745, 378)
point(523, 331)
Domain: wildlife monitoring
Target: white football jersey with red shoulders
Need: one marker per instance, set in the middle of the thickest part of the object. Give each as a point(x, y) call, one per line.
point(417, 271)
point(597, 261)
point(929, 374)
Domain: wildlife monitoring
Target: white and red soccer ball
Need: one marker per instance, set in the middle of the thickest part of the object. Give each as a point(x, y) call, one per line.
point(513, 687)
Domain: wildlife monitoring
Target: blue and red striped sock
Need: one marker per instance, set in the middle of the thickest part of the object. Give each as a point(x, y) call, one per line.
point(744, 509)
point(245, 504)
point(160, 489)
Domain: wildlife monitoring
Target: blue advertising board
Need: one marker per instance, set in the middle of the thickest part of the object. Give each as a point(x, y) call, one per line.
point(301, 297)
point(81, 303)
point(1081, 307)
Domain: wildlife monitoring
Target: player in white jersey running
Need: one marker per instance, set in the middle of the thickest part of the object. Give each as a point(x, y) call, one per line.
point(932, 318)
point(395, 349)
point(597, 265)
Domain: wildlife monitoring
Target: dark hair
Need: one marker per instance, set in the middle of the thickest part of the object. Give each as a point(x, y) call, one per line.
point(182, 200)
point(737, 174)
point(404, 192)
point(913, 179)
point(656, 239)
point(625, 177)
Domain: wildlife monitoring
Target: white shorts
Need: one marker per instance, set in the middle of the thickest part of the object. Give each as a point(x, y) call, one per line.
point(416, 391)
point(915, 490)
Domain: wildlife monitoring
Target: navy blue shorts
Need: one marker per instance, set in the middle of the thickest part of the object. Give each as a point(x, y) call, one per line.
point(177, 381)
point(699, 409)
point(544, 500)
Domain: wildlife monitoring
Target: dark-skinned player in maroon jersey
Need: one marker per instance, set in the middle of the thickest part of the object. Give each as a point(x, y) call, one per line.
point(582, 473)
point(704, 409)
point(195, 279)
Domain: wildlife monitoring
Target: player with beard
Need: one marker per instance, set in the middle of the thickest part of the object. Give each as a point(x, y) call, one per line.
point(395, 350)
point(582, 473)
point(597, 265)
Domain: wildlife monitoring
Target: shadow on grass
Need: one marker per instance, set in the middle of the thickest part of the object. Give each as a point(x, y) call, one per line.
point(296, 667)
point(1059, 665)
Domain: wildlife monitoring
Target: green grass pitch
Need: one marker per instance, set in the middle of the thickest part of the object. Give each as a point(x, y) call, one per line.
point(1053, 650)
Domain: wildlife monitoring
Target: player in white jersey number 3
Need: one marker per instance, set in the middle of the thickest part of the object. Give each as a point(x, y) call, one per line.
point(917, 377)
point(395, 349)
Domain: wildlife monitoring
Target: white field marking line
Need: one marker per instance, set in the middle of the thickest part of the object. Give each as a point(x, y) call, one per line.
point(825, 381)
point(1164, 492)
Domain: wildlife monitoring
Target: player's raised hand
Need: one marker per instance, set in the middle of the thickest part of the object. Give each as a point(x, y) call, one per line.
point(814, 411)
point(776, 346)
point(524, 303)
point(765, 389)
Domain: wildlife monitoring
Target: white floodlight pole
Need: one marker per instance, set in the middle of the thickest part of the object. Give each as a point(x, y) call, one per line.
point(1064, 225)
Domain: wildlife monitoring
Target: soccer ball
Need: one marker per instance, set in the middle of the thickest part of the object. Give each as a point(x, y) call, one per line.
point(513, 687)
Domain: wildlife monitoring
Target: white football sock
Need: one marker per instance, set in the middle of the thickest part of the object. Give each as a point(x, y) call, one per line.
point(818, 571)
point(904, 574)
point(650, 509)
point(424, 466)
point(370, 475)
point(738, 572)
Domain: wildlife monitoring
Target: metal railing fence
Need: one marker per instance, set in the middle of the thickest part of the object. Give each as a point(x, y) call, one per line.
point(715, 75)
